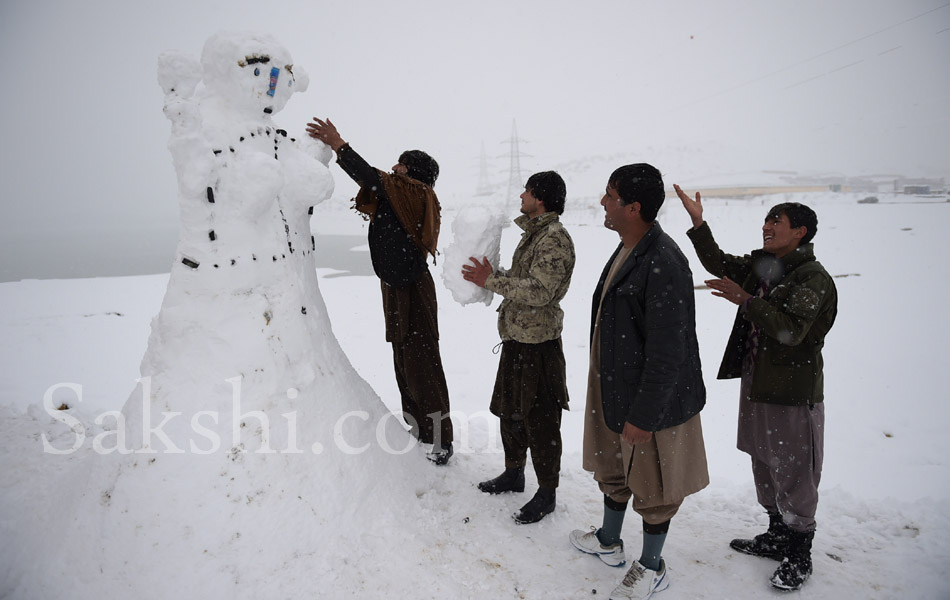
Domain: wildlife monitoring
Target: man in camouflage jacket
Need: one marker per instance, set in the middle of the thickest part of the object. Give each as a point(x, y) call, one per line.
point(530, 387)
point(787, 304)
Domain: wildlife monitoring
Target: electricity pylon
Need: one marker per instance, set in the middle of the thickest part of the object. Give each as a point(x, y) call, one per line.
point(484, 187)
point(515, 179)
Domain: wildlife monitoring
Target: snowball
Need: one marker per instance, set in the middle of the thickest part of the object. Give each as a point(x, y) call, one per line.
point(477, 233)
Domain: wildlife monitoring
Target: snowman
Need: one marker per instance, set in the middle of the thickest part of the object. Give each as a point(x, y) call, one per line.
point(242, 312)
point(251, 451)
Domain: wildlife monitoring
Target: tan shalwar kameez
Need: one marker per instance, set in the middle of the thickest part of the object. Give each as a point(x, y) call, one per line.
point(660, 473)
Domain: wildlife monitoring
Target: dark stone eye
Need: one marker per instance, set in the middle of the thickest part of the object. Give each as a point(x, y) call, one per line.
point(257, 71)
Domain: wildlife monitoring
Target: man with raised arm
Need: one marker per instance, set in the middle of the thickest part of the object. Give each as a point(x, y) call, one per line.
point(404, 215)
point(787, 304)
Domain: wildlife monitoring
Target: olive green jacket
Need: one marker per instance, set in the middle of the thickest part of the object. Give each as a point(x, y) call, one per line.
point(793, 318)
point(538, 279)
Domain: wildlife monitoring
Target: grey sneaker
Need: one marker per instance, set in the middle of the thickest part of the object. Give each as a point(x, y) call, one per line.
point(588, 542)
point(440, 456)
point(640, 583)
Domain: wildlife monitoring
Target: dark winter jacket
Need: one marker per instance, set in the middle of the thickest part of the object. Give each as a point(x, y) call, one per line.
point(649, 357)
point(793, 319)
point(397, 259)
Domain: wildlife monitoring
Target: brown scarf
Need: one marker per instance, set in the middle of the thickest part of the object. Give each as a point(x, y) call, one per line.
point(415, 204)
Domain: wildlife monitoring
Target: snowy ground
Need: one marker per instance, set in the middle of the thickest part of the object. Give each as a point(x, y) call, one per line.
point(883, 524)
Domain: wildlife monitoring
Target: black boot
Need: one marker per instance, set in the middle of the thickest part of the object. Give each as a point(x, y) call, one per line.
point(770, 544)
point(512, 480)
point(542, 504)
point(796, 566)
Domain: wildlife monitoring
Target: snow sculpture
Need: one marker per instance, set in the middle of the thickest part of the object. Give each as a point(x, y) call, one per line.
point(476, 232)
point(251, 450)
point(245, 193)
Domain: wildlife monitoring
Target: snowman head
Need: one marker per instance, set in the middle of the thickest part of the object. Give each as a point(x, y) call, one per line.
point(250, 72)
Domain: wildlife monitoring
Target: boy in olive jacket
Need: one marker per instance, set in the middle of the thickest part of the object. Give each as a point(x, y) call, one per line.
point(787, 304)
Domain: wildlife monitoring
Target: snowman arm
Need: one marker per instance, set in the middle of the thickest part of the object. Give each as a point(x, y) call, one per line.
point(194, 164)
point(178, 75)
point(315, 149)
point(184, 114)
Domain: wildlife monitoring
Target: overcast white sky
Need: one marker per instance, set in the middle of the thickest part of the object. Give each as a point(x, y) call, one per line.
point(853, 86)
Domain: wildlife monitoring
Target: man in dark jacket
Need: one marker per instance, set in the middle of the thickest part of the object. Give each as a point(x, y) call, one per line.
point(404, 216)
point(787, 304)
point(642, 431)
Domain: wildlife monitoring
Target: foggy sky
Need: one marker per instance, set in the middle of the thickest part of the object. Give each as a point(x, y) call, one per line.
point(851, 86)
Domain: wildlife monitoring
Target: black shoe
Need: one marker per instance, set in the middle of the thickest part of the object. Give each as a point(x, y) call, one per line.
point(796, 566)
point(771, 544)
point(440, 456)
point(512, 480)
point(542, 504)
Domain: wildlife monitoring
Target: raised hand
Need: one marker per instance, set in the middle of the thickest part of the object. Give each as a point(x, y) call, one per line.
point(326, 132)
point(693, 207)
point(728, 289)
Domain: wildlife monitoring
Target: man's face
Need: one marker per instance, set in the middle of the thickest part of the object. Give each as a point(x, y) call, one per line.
point(400, 169)
point(779, 237)
point(615, 213)
point(531, 206)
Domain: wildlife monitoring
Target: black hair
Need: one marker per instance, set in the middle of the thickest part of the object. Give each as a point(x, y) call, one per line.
point(798, 215)
point(548, 187)
point(641, 183)
point(420, 166)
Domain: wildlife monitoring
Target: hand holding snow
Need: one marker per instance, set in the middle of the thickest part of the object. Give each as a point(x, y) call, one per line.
point(477, 271)
point(476, 232)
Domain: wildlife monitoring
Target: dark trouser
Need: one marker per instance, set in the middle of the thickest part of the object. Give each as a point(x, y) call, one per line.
point(412, 325)
point(421, 381)
point(541, 432)
point(529, 395)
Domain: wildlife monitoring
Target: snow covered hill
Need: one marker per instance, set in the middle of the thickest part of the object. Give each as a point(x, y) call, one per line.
point(423, 532)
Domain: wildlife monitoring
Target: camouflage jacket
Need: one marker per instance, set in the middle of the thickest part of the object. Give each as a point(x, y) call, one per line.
point(533, 287)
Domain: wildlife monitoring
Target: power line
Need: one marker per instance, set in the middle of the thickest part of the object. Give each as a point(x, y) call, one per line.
point(810, 59)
